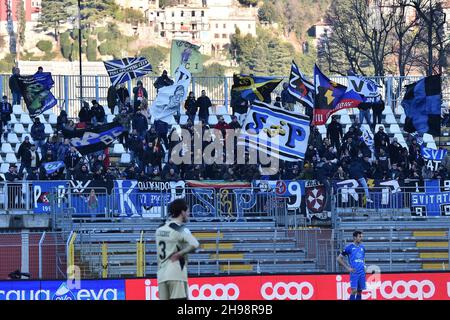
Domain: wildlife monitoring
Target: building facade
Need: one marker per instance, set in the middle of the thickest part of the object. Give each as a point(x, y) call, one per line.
point(10, 7)
point(207, 23)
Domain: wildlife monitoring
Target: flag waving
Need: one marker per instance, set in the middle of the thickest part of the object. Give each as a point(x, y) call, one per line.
point(422, 104)
point(255, 88)
point(365, 87)
point(188, 54)
point(36, 92)
point(300, 88)
point(125, 69)
point(331, 97)
point(276, 132)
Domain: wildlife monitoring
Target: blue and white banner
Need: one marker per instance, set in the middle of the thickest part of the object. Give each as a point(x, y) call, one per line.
point(433, 157)
point(300, 87)
point(365, 87)
point(63, 290)
point(169, 100)
point(275, 132)
point(125, 69)
point(51, 167)
point(47, 193)
point(145, 198)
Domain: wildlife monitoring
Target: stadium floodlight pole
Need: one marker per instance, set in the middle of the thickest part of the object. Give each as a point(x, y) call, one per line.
point(430, 40)
point(79, 51)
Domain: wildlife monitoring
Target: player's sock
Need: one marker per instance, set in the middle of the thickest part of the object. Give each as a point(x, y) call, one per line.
point(352, 297)
point(358, 297)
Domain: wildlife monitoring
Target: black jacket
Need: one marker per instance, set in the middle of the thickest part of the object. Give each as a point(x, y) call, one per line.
point(203, 103)
point(85, 114)
point(191, 106)
point(14, 83)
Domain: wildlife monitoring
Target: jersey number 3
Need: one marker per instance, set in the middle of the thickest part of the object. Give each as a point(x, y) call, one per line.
point(162, 244)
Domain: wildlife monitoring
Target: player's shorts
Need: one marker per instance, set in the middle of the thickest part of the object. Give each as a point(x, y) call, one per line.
point(358, 281)
point(173, 290)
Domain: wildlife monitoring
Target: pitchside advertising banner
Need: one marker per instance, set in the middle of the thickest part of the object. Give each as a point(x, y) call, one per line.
point(310, 198)
point(393, 286)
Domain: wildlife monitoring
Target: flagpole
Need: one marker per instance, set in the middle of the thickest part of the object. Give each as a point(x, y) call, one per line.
point(79, 51)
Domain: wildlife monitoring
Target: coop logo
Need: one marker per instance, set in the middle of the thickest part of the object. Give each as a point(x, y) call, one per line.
point(63, 293)
point(400, 289)
point(217, 291)
point(283, 291)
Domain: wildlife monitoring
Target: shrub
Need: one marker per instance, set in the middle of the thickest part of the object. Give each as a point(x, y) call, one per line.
point(44, 45)
point(91, 49)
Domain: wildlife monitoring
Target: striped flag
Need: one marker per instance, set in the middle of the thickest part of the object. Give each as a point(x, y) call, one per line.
point(125, 69)
point(300, 88)
point(276, 132)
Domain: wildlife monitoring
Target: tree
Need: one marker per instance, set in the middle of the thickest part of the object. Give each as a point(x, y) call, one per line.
point(362, 34)
point(155, 55)
point(248, 3)
point(53, 14)
point(91, 51)
point(433, 20)
point(22, 23)
point(66, 45)
point(167, 3)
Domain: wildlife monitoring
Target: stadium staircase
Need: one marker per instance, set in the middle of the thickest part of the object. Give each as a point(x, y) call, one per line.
point(401, 243)
point(225, 248)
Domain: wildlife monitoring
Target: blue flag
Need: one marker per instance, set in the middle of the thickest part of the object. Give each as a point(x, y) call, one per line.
point(51, 167)
point(36, 92)
point(422, 104)
point(300, 88)
point(433, 157)
point(125, 69)
point(331, 97)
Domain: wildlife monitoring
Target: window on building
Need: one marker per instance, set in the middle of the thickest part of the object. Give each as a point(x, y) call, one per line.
point(224, 25)
point(157, 14)
point(173, 13)
point(162, 25)
point(217, 26)
point(193, 13)
point(216, 36)
point(235, 26)
point(224, 36)
point(202, 13)
point(182, 13)
point(194, 26)
point(173, 26)
point(249, 26)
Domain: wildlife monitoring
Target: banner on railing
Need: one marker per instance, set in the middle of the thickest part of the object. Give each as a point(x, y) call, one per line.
point(430, 198)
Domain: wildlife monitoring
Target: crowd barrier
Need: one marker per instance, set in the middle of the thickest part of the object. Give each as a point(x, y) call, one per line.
point(67, 89)
point(291, 202)
point(389, 286)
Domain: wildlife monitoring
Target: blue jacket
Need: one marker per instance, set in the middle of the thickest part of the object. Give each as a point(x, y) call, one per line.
point(38, 131)
point(140, 122)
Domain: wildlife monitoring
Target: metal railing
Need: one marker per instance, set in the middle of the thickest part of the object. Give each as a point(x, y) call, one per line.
point(66, 89)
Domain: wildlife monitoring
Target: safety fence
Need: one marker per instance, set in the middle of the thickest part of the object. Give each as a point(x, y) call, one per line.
point(41, 255)
point(67, 89)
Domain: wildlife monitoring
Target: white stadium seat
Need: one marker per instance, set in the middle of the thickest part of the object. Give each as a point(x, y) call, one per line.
point(6, 148)
point(125, 158)
point(345, 119)
point(49, 111)
point(402, 118)
point(11, 158)
point(52, 119)
point(390, 119)
point(12, 138)
point(109, 118)
point(394, 128)
point(427, 138)
point(19, 129)
point(4, 168)
point(107, 110)
point(118, 148)
point(48, 129)
point(387, 110)
point(322, 129)
point(16, 148)
point(17, 109)
point(221, 110)
point(183, 119)
point(25, 119)
point(1, 159)
point(431, 145)
point(212, 120)
point(13, 119)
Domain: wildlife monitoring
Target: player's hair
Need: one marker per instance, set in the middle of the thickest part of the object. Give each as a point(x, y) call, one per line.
point(356, 233)
point(176, 207)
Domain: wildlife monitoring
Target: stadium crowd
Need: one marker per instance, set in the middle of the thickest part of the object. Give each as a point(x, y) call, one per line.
point(340, 155)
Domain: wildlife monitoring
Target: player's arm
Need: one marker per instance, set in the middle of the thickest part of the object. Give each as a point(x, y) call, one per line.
point(341, 261)
point(193, 244)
